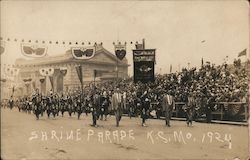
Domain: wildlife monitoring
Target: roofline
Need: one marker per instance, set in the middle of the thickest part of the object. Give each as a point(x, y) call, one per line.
point(71, 59)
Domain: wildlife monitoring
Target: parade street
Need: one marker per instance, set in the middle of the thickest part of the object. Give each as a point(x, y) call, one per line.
point(24, 137)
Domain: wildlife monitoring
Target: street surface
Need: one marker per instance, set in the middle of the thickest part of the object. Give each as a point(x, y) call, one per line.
point(24, 137)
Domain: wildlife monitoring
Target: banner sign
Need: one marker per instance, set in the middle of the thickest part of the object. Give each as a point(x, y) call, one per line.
point(144, 62)
point(120, 51)
point(46, 71)
point(144, 55)
point(83, 52)
point(35, 51)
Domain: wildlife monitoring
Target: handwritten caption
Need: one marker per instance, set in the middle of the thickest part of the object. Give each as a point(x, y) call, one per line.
point(152, 137)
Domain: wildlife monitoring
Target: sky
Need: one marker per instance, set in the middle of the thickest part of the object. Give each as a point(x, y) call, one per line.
point(182, 32)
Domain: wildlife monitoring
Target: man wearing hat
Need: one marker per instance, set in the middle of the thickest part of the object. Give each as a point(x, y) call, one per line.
point(117, 105)
point(167, 106)
point(95, 108)
point(145, 109)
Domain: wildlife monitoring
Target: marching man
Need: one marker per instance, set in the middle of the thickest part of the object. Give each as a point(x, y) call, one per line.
point(117, 105)
point(167, 106)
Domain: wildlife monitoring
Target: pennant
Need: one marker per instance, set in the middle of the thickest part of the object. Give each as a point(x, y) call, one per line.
point(79, 73)
point(46, 71)
point(63, 70)
point(51, 82)
point(120, 51)
point(42, 80)
point(83, 52)
point(35, 51)
point(243, 53)
point(27, 80)
point(2, 47)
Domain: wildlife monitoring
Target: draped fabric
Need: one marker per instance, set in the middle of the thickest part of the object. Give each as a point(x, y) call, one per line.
point(63, 72)
point(42, 80)
point(79, 73)
point(51, 81)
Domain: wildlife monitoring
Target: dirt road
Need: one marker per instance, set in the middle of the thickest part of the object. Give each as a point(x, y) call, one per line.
point(24, 137)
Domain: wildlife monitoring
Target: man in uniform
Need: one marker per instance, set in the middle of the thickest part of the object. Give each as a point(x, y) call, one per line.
point(11, 102)
point(36, 103)
point(95, 108)
point(167, 107)
point(117, 105)
point(79, 106)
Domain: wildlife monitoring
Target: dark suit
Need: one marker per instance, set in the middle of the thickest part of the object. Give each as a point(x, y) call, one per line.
point(96, 108)
point(167, 107)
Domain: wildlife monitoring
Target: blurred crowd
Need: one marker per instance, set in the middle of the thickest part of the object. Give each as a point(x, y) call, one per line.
point(207, 85)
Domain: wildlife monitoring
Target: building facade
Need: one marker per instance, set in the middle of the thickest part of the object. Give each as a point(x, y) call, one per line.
point(104, 62)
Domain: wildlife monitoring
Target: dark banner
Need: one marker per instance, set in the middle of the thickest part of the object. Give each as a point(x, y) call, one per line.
point(79, 73)
point(144, 62)
point(144, 71)
point(51, 81)
point(120, 51)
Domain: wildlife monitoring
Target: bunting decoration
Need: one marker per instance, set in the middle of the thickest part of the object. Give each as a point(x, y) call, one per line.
point(27, 80)
point(11, 71)
point(46, 71)
point(2, 47)
point(35, 51)
point(120, 50)
point(83, 52)
point(42, 80)
point(63, 70)
point(57, 42)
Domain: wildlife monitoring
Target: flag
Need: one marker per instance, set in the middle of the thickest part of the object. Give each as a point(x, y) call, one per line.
point(171, 68)
point(202, 62)
point(243, 53)
point(79, 73)
point(51, 81)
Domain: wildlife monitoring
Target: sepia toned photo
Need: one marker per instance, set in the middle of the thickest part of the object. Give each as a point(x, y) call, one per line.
point(116, 80)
